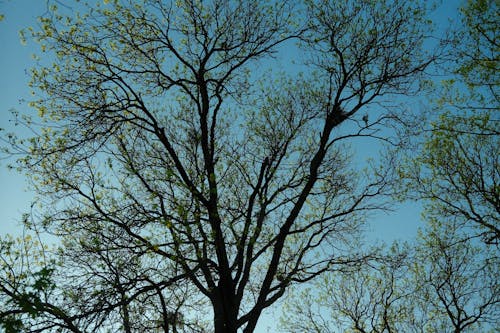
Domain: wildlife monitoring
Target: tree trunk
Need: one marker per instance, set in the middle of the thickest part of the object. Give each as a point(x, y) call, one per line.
point(225, 310)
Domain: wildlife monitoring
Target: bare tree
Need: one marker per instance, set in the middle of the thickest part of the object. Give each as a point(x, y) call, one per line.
point(378, 297)
point(160, 146)
point(458, 279)
point(446, 284)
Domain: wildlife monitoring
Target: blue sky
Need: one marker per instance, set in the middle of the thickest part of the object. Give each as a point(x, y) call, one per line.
point(15, 61)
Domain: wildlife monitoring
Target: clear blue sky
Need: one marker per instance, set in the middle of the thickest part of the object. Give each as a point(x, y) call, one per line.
point(15, 61)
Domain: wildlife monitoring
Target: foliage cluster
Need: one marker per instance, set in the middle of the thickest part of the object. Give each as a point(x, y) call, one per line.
point(187, 180)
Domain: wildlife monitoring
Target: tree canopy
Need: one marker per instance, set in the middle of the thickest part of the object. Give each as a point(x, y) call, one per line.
point(447, 279)
point(191, 184)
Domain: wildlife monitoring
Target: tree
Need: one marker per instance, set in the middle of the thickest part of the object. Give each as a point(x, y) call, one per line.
point(476, 53)
point(372, 298)
point(24, 283)
point(457, 279)
point(457, 168)
point(446, 284)
point(450, 282)
point(457, 171)
point(166, 144)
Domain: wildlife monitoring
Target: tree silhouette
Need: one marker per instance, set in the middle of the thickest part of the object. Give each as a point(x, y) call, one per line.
point(169, 157)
